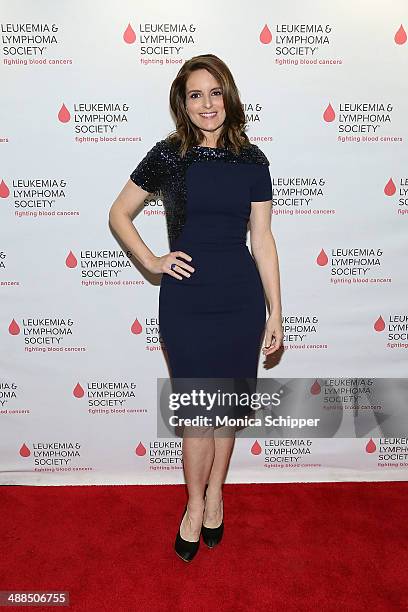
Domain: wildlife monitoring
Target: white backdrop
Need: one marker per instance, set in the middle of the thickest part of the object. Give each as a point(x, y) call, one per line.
point(84, 96)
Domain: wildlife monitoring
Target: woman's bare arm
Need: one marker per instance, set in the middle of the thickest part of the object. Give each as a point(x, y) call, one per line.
point(130, 199)
point(263, 248)
point(121, 213)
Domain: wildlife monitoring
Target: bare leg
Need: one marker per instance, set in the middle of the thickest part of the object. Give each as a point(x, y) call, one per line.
point(198, 457)
point(224, 439)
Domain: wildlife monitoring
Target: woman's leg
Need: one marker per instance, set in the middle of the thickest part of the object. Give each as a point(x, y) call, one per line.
point(206, 456)
point(198, 457)
point(224, 439)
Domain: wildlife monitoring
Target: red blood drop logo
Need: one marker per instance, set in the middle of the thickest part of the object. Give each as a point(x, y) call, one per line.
point(329, 114)
point(400, 36)
point(370, 446)
point(322, 258)
point(25, 451)
point(4, 190)
point(78, 391)
point(256, 448)
point(266, 35)
point(390, 188)
point(315, 388)
point(64, 115)
point(129, 35)
point(140, 450)
point(71, 260)
point(136, 327)
point(379, 325)
point(14, 328)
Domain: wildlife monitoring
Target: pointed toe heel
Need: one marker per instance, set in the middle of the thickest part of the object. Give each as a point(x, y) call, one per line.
point(185, 549)
point(212, 535)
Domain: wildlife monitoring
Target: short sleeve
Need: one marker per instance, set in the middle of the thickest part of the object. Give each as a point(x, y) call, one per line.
point(147, 173)
point(261, 188)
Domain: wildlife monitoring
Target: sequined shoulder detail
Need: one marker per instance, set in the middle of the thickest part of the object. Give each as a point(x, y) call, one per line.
point(148, 174)
point(257, 155)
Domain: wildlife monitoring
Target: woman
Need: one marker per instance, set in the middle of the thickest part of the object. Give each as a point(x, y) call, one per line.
point(212, 293)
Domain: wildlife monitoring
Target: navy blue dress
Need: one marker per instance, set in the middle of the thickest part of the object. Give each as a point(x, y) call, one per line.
point(211, 323)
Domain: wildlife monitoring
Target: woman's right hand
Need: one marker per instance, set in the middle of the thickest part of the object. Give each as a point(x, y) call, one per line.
point(160, 265)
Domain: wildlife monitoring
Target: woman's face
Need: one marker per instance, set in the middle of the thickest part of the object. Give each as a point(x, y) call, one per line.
point(204, 102)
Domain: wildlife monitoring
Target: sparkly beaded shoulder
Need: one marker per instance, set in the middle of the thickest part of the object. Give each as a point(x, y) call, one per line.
point(258, 156)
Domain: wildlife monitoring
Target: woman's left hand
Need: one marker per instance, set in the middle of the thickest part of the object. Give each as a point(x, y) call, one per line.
point(273, 333)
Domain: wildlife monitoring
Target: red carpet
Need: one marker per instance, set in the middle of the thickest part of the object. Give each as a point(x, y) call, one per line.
point(318, 547)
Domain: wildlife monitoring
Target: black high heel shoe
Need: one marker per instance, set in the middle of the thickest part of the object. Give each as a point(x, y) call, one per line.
point(212, 535)
point(186, 550)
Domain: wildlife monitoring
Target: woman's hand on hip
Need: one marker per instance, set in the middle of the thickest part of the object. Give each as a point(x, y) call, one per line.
point(160, 265)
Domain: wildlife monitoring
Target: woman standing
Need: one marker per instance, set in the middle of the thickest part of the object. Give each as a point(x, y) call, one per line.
point(212, 294)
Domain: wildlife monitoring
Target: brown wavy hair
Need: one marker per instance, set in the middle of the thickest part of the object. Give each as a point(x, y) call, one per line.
point(187, 134)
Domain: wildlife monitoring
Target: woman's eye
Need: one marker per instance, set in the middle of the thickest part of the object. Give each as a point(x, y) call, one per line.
point(194, 95)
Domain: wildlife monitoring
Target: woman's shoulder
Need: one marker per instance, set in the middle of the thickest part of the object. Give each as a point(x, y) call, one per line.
point(160, 147)
point(160, 156)
point(252, 153)
point(164, 150)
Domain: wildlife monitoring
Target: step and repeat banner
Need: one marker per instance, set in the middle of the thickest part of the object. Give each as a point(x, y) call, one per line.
point(84, 96)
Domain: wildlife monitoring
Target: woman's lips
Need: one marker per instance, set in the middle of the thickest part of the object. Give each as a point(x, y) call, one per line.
point(208, 115)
